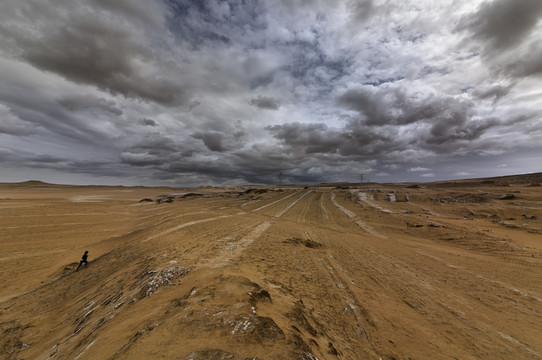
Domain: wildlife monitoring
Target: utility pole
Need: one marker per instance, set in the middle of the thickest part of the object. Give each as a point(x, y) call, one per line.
point(281, 177)
point(362, 178)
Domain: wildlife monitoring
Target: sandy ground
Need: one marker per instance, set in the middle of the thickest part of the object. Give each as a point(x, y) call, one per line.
point(380, 271)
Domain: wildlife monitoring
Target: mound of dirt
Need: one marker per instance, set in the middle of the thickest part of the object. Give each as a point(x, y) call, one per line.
point(191, 194)
point(306, 242)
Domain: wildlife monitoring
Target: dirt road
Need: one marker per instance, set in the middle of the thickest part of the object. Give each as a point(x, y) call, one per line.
point(380, 272)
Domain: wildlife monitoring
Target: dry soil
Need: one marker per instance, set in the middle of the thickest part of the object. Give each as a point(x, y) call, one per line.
point(369, 271)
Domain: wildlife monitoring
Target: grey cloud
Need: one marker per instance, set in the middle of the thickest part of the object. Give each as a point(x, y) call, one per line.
point(203, 23)
point(96, 168)
point(155, 143)
point(214, 140)
point(57, 125)
point(159, 151)
point(89, 102)
point(448, 131)
point(416, 169)
point(140, 159)
point(220, 141)
point(503, 24)
point(89, 48)
point(391, 105)
point(355, 139)
point(26, 157)
point(45, 159)
point(362, 9)
point(148, 122)
point(296, 168)
point(275, 159)
point(393, 121)
point(529, 63)
point(146, 12)
point(260, 70)
point(307, 138)
point(44, 164)
point(495, 91)
point(219, 8)
point(193, 104)
point(509, 33)
point(204, 167)
point(266, 102)
point(360, 139)
point(12, 124)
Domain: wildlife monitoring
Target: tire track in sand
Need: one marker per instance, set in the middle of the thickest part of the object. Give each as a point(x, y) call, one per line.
point(178, 227)
point(324, 211)
point(283, 211)
point(356, 219)
point(233, 250)
point(276, 201)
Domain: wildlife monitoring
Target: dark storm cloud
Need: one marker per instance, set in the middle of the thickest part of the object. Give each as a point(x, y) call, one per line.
point(266, 102)
point(220, 141)
point(88, 102)
point(362, 9)
point(193, 104)
point(393, 120)
point(276, 159)
point(155, 144)
point(55, 125)
point(360, 139)
point(39, 115)
point(494, 91)
point(102, 55)
point(96, 168)
point(393, 105)
point(214, 140)
point(157, 151)
point(506, 29)
point(204, 23)
point(12, 124)
point(354, 140)
point(452, 130)
point(90, 46)
point(140, 159)
point(309, 65)
point(148, 122)
point(23, 156)
point(529, 64)
point(46, 158)
point(68, 119)
point(503, 24)
point(148, 13)
point(295, 167)
point(205, 168)
point(307, 138)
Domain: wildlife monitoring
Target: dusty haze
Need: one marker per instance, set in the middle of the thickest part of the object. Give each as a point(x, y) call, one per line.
point(448, 270)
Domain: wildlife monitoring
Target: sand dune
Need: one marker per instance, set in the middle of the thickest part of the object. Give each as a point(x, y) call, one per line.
point(447, 270)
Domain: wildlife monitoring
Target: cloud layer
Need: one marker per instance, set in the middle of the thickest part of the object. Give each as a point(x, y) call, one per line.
point(179, 92)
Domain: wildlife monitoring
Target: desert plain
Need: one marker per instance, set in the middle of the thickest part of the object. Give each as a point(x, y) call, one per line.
point(443, 270)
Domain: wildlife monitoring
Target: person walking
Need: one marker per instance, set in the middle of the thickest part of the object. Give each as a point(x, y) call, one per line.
point(83, 260)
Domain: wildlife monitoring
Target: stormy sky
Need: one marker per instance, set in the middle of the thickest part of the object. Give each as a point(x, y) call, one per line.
point(213, 92)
